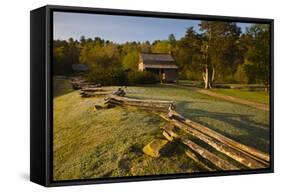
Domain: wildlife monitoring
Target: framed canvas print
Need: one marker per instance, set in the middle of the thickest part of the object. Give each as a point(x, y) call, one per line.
point(119, 95)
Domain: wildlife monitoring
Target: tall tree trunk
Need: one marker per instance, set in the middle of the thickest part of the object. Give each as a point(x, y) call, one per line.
point(213, 77)
point(206, 78)
point(266, 86)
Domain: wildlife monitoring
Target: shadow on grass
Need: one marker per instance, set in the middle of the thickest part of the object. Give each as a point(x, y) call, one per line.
point(61, 86)
point(172, 149)
point(241, 127)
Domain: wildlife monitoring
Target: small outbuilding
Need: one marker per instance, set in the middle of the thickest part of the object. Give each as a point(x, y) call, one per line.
point(80, 68)
point(160, 64)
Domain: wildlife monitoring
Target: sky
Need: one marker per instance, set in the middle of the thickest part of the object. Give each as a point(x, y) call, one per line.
point(120, 29)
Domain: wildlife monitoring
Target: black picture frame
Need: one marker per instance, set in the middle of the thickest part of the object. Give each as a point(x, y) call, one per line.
point(41, 35)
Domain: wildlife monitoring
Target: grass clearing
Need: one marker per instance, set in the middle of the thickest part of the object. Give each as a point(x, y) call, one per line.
point(109, 142)
point(256, 96)
point(89, 143)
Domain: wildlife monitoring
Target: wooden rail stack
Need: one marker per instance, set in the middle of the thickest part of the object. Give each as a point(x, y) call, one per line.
point(243, 155)
point(155, 105)
point(88, 89)
point(79, 83)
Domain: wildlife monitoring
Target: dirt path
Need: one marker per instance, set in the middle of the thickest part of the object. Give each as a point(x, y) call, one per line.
point(256, 105)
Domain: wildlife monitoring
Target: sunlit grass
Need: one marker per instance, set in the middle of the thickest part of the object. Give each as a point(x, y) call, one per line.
point(256, 96)
point(109, 142)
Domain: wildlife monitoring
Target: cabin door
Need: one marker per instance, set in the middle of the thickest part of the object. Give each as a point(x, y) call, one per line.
point(162, 76)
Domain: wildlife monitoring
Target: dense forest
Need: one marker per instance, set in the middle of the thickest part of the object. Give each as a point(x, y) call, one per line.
point(217, 53)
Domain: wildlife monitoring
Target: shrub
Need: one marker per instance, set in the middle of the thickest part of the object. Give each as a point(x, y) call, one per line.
point(130, 61)
point(240, 75)
point(107, 76)
point(141, 77)
point(229, 79)
point(119, 76)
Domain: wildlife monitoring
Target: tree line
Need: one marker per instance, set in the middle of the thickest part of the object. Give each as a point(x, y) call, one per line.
point(216, 53)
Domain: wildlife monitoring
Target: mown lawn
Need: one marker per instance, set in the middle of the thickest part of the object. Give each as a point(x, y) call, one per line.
point(256, 96)
point(109, 142)
point(91, 143)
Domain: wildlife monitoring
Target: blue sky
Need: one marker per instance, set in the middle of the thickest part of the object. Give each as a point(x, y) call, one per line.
point(120, 28)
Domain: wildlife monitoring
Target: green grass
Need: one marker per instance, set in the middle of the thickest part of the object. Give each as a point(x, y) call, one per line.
point(256, 96)
point(109, 142)
point(259, 95)
point(242, 123)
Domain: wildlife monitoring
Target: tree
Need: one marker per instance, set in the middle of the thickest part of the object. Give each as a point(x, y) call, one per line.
point(98, 53)
point(162, 47)
point(206, 74)
point(82, 40)
point(145, 47)
point(257, 56)
point(188, 54)
point(58, 58)
point(172, 40)
point(220, 49)
point(65, 54)
point(130, 61)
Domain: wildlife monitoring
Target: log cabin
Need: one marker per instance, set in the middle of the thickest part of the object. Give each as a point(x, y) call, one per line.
point(161, 64)
point(80, 68)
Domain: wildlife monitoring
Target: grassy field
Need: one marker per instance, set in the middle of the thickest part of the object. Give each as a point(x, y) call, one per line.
point(256, 96)
point(108, 142)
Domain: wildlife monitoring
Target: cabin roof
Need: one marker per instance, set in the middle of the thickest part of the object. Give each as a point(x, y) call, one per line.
point(160, 66)
point(157, 60)
point(80, 67)
point(156, 57)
